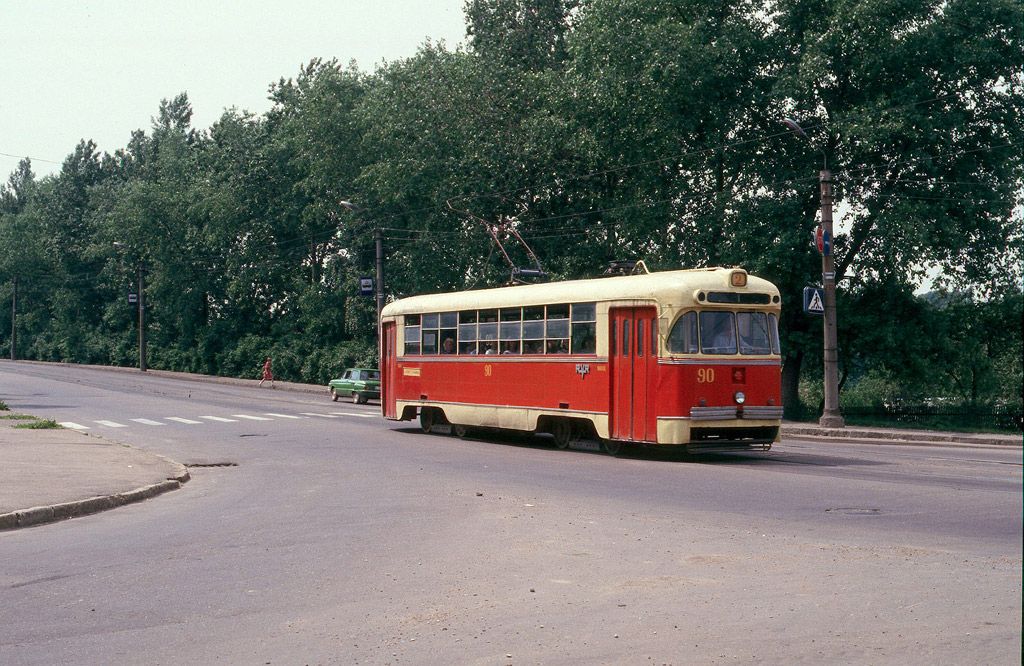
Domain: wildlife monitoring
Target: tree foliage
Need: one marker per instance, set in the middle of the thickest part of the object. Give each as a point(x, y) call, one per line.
point(597, 129)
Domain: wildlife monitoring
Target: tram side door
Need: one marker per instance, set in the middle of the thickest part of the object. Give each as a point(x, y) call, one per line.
point(388, 372)
point(634, 364)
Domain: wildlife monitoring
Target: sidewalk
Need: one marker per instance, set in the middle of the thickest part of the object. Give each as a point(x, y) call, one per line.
point(48, 475)
point(897, 436)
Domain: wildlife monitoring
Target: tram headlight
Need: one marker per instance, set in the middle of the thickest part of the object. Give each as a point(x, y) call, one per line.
point(740, 397)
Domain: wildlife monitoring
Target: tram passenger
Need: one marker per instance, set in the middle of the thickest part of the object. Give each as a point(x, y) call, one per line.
point(489, 348)
point(448, 346)
point(533, 347)
point(558, 346)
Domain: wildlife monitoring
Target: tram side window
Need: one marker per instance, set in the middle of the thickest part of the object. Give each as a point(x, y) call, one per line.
point(487, 332)
point(467, 332)
point(533, 330)
point(584, 328)
point(557, 330)
point(754, 335)
point(773, 331)
point(718, 332)
point(429, 333)
point(683, 338)
point(412, 334)
point(449, 322)
point(510, 330)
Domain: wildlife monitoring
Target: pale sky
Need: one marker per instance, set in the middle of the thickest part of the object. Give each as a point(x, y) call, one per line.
point(97, 69)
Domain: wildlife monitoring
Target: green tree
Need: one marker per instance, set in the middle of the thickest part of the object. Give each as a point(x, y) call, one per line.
point(526, 35)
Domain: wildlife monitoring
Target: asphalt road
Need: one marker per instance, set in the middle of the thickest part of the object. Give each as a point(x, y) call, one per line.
point(339, 538)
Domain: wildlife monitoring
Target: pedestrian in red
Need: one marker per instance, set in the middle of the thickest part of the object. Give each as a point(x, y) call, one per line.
point(267, 374)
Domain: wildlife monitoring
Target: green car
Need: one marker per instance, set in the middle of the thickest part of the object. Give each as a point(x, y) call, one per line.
point(360, 383)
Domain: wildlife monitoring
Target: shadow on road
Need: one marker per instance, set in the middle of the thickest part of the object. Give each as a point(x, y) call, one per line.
point(653, 453)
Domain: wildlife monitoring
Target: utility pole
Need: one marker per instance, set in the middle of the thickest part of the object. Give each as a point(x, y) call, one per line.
point(830, 416)
point(142, 322)
point(378, 236)
point(14, 321)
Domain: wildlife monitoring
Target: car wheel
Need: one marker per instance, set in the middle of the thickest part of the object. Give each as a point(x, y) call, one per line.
point(361, 399)
point(334, 394)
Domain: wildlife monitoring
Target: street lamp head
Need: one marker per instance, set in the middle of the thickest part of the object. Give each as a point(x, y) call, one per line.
point(792, 124)
point(799, 131)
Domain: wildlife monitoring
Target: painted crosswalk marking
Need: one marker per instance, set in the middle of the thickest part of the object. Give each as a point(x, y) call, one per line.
point(268, 416)
point(362, 416)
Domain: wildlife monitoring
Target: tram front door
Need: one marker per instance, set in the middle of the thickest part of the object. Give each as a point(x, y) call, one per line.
point(634, 365)
point(388, 372)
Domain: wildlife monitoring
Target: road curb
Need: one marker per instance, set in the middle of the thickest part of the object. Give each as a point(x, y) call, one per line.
point(39, 515)
point(900, 436)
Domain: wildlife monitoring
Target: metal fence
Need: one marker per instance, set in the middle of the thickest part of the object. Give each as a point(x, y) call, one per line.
point(957, 418)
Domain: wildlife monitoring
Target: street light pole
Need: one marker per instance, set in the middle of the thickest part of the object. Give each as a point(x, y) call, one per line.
point(14, 321)
point(141, 303)
point(378, 239)
point(378, 236)
point(830, 415)
point(142, 322)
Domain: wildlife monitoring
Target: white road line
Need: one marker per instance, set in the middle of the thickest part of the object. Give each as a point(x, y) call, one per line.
point(181, 420)
point(362, 416)
point(251, 418)
point(283, 416)
point(112, 424)
point(73, 425)
point(148, 422)
point(323, 416)
point(221, 419)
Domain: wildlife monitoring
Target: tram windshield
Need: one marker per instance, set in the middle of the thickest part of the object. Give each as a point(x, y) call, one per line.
point(718, 332)
point(725, 333)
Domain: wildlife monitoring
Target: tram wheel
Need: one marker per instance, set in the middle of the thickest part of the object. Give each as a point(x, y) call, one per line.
point(611, 447)
point(566, 433)
point(427, 419)
point(460, 431)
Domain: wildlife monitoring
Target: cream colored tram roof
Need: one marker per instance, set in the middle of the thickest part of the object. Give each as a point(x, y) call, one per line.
point(673, 286)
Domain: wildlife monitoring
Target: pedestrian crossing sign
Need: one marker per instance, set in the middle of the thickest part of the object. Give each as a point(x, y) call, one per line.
point(814, 300)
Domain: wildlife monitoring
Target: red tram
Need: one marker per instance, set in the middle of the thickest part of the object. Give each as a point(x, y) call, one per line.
point(679, 358)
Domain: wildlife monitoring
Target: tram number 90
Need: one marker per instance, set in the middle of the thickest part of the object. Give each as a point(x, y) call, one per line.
point(705, 375)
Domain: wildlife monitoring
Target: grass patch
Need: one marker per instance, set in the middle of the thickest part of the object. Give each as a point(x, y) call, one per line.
point(4, 407)
point(42, 424)
point(16, 416)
